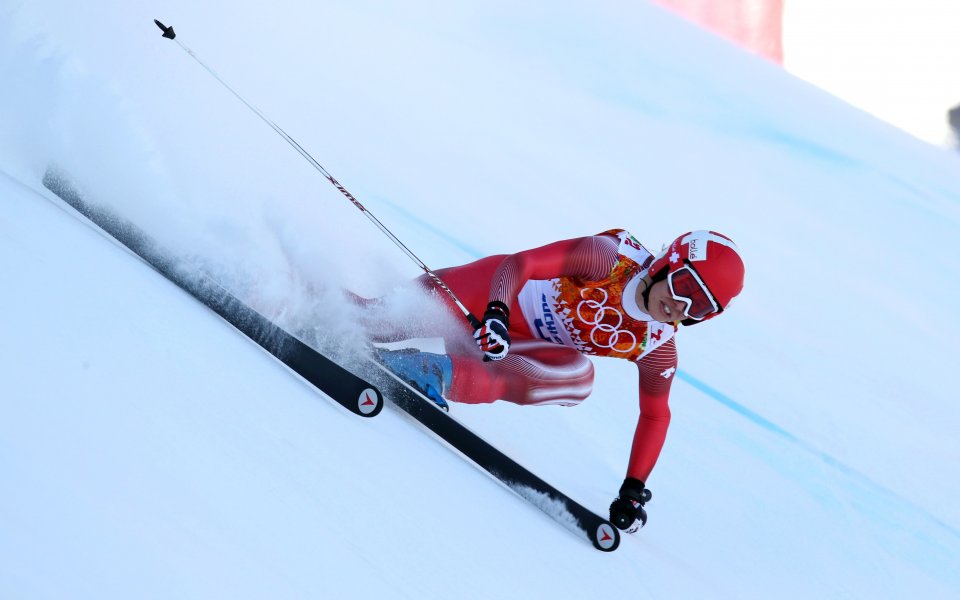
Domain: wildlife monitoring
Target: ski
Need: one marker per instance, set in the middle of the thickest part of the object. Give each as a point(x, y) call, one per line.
point(354, 393)
point(350, 391)
point(567, 512)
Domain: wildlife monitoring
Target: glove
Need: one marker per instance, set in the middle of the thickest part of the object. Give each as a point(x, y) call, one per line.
point(628, 507)
point(492, 336)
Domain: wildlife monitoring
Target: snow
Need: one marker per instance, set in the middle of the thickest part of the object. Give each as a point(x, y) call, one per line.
point(550, 505)
point(149, 450)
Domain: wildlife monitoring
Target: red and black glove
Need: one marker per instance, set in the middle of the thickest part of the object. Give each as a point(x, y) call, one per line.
point(628, 507)
point(492, 336)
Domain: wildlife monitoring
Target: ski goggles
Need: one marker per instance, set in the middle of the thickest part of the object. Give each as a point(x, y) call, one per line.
point(687, 287)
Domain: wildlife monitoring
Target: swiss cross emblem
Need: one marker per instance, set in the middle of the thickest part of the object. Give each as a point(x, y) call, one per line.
point(674, 257)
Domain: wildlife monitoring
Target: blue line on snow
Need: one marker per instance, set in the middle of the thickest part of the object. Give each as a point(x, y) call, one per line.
point(753, 417)
point(735, 406)
point(432, 229)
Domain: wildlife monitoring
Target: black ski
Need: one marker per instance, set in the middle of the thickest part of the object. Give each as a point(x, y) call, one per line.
point(566, 511)
point(352, 392)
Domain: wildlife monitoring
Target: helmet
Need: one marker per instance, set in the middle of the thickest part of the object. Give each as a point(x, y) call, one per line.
point(713, 256)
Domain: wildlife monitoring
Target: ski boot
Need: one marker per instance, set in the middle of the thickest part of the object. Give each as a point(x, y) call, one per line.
point(430, 373)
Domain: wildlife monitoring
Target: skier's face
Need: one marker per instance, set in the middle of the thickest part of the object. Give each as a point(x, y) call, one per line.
point(662, 306)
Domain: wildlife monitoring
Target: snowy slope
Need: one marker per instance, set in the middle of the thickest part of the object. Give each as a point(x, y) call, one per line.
point(148, 450)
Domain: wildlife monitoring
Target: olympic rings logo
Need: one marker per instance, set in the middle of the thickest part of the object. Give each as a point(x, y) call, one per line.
point(611, 331)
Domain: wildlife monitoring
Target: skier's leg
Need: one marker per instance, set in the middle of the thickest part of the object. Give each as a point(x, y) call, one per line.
point(534, 372)
point(422, 309)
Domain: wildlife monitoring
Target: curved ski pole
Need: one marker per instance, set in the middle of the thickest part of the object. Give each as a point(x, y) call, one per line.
point(169, 33)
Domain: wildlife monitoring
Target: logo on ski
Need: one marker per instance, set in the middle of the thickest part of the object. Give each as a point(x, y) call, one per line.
point(606, 537)
point(368, 401)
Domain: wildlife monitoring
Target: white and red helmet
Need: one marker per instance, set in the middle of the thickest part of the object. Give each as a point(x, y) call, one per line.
point(715, 262)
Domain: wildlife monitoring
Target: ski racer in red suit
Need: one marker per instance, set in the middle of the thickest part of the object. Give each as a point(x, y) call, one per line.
point(546, 308)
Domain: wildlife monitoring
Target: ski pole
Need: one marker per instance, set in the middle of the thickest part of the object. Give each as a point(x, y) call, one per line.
point(474, 321)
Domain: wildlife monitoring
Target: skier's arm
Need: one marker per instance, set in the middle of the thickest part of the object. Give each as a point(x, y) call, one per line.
point(656, 374)
point(589, 257)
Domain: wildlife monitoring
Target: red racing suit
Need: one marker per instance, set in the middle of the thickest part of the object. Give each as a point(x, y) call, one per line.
point(568, 299)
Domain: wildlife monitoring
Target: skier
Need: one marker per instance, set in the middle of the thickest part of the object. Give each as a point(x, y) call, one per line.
point(546, 308)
